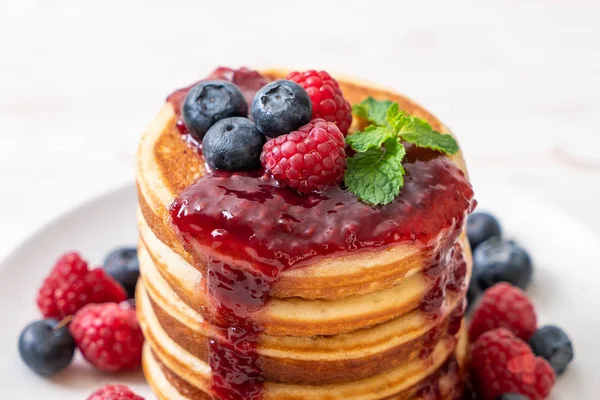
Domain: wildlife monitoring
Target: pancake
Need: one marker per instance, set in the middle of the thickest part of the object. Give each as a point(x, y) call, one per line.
point(166, 166)
point(289, 316)
point(333, 358)
point(381, 320)
point(187, 370)
point(445, 383)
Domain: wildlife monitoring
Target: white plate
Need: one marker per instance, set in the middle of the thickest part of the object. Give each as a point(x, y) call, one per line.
point(564, 290)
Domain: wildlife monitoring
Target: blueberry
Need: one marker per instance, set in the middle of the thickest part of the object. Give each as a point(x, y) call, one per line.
point(497, 260)
point(281, 107)
point(46, 347)
point(480, 227)
point(123, 265)
point(233, 144)
point(210, 101)
point(512, 396)
point(553, 344)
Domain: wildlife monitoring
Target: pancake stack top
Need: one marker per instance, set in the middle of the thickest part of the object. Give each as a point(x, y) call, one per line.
point(251, 290)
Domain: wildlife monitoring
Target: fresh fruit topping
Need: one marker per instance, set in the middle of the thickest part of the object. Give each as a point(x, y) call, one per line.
point(497, 260)
point(211, 101)
point(553, 344)
point(109, 336)
point(327, 99)
point(249, 81)
point(504, 306)
point(375, 174)
point(502, 363)
point(46, 346)
point(482, 226)
point(281, 107)
point(233, 144)
point(308, 159)
point(71, 285)
point(114, 392)
point(512, 396)
point(123, 266)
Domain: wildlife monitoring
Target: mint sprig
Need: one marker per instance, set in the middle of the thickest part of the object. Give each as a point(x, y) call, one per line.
point(375, 174)
point(372, 110)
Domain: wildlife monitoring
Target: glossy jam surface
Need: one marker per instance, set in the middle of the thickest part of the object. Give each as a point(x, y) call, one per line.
point(250, 229)
point(448, 271)
point(249, 219)
point(233, 356)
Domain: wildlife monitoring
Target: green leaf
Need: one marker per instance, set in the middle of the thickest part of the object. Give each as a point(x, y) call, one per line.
point(410, 124)
point(376, 175)
point(418, 132)
point(393, 114)
point(432, 140)
point(372, 110)
point(373, 136)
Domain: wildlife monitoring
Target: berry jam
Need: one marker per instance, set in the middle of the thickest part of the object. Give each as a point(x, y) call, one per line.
point(250, 220)
point(448, 271)
point(430, 388)
point(250, 229)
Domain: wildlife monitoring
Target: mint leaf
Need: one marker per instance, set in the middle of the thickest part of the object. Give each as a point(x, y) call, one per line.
point(373, 136)
point(372, 110)
point(418, 132)
point(410, 124)
point(393, 114)
point(432, 140)
point(376, 175)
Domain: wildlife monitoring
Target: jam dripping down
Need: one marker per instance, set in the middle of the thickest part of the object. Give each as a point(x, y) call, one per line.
point(431, 389)
point(448, 271)
point(249, 229)
point(236, 293)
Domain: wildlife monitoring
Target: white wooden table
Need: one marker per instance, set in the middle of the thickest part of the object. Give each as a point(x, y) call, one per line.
point(518, 81)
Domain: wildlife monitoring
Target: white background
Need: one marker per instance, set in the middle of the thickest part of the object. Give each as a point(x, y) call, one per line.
point(518, 81)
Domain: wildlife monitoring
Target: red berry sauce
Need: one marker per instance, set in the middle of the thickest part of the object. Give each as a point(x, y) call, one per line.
point(447, 272)
point(250, 229)
point(430, 388)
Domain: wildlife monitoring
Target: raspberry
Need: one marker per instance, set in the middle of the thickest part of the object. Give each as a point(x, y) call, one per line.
point(504, 306)
point(502, 363)
point(328, 102)
point(71, 285)
point(309, 158)
point(109, 336)
point(114, 392)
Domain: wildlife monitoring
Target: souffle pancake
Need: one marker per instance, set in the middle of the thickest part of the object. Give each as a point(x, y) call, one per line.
point(301, 237)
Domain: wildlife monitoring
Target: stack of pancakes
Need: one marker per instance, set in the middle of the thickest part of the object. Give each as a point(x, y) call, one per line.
point(349, 326)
